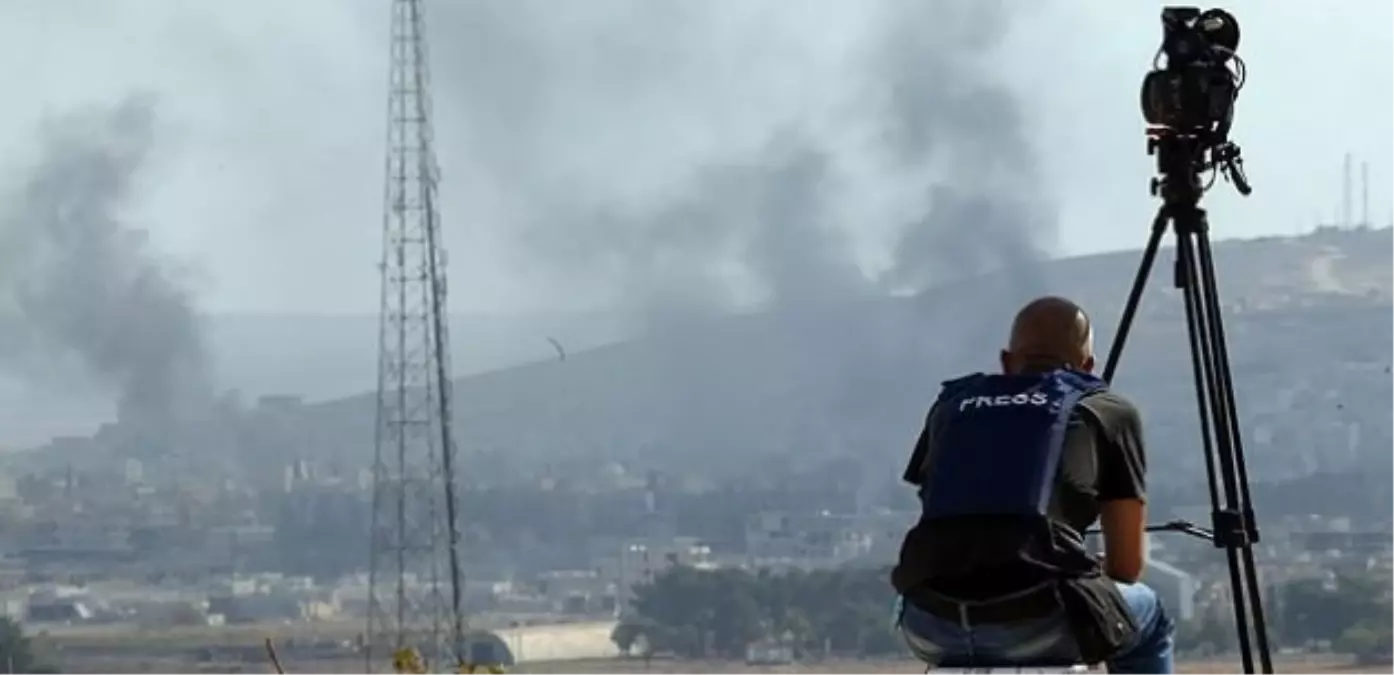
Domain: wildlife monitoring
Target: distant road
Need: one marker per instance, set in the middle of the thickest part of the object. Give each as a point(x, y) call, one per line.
point(129, 636)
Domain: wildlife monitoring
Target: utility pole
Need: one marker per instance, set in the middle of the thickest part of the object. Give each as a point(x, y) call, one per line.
point(415, 577)
point(1346, 217)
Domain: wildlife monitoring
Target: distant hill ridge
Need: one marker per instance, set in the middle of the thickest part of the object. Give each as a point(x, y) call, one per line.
point(838, 378)
point(855, 378)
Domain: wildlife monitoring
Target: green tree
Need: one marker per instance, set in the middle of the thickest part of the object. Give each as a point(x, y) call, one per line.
point(627, 634)
point(1370, 644)
point(1210, 632)
point(1315, 609)
point(695, 613)
point(17, 653)
point(1355, 639)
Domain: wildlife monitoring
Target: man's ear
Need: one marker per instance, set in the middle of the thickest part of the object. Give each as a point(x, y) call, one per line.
point(1088, 365)
point(1005, 358)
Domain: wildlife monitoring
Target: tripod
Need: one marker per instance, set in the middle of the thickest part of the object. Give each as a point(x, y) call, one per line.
point(1233, 526)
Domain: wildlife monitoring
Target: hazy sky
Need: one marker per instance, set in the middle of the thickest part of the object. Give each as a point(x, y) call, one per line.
point(264, 184)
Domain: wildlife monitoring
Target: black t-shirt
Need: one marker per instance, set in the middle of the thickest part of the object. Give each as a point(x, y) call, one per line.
point(1103, 460)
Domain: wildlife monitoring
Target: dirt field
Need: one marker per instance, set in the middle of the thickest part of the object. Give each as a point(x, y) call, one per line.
point(1327, 665)
point(126, 636)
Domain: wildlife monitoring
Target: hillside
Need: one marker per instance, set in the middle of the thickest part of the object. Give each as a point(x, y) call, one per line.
point(316, 356)
point(330, 356)
point(1310, 332)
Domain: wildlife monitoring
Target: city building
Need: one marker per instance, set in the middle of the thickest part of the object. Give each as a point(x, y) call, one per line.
point(1175, 587)
point(641, 562)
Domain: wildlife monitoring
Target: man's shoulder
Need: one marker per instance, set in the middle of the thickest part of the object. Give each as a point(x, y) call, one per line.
point(1109, 402)
point(1111, 411)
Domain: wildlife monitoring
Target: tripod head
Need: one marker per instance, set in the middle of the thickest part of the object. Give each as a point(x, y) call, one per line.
point(1188, 103)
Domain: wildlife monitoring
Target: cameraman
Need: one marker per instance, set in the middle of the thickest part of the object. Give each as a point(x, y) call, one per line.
point(1011, 470)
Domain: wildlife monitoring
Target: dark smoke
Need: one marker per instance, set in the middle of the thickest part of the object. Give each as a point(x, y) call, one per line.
point(948, 112)
point(762, 218)
point(948, 116)
point(766, 217)
point(550, 98)
point(564, 108)
point(795, 247)
point(83, 280)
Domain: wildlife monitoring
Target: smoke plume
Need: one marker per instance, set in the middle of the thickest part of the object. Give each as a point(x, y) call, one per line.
point(758, 222)
point(697, 156)
point(948, 113)
point(82, 281)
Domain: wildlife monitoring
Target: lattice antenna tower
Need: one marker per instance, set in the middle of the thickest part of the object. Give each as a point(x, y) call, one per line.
point(415, 578)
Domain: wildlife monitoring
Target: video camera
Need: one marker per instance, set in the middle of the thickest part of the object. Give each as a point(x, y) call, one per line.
point(1188, 102)
point(1195, 91)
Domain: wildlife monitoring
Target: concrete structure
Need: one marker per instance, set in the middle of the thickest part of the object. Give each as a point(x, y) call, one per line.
point(805, 540)
point(575, 591)
point(641, 562)
point(1176, 588)
point(1361, 544)
point(538, 644)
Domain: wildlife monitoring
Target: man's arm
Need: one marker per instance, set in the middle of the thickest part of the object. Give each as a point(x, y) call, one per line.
point(914, 470)
point(1122, 488)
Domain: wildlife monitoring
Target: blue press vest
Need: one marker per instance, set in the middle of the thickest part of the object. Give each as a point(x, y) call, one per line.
point(998, 443)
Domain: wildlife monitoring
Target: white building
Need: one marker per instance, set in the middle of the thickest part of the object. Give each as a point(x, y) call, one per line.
point(641, 562)
point(1176, 589)
point(546, 643)
point(806, 540)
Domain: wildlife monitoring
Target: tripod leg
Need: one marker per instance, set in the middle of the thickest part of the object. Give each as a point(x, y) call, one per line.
point(1200, 359)
point(1209, 289)
point(1202, 365)
point(1144, 270)
point(1217, 326)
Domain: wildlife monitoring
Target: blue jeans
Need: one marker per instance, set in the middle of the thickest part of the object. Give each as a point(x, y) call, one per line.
point(933, 638)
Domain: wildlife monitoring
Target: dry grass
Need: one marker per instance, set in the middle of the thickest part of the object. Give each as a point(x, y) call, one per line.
point(127, 636)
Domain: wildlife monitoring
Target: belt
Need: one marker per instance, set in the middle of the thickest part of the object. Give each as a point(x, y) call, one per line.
point(1037, 602)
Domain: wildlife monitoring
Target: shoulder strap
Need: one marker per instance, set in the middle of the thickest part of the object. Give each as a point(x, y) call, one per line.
point(1075, 387)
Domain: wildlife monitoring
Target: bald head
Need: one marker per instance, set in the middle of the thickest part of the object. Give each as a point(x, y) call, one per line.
point(1049, 333)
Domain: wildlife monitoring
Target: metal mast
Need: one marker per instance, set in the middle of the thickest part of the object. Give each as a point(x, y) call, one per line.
point(415, 580)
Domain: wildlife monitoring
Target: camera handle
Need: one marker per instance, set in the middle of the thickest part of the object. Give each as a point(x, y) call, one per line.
point(1233, 525)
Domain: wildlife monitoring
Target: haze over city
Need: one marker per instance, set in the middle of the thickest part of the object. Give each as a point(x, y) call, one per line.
point(709, 262)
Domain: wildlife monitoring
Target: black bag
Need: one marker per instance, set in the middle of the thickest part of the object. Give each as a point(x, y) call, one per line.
point(1099, 617)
